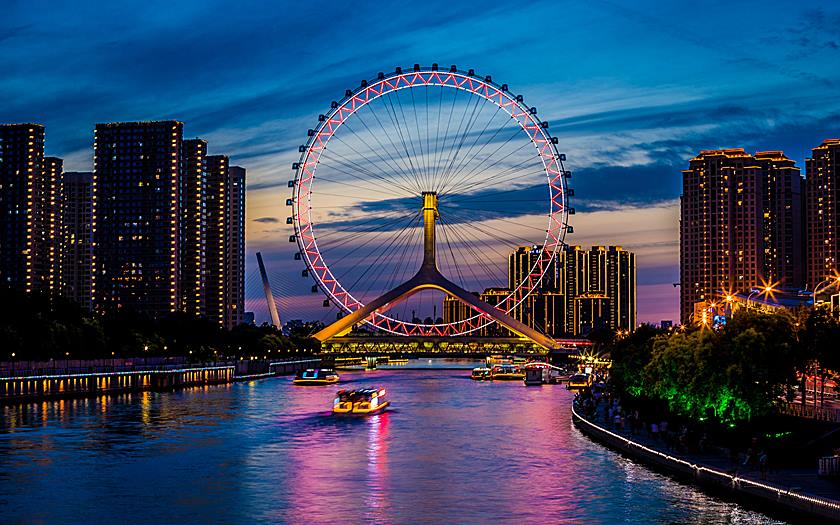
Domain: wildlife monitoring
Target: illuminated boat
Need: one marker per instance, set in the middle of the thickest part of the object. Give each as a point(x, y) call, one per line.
point(498, 360)
point(536, 375)
point(360, 402)
point(580, 381)
point(481, 373)
point(507, 373)
point(316, 376)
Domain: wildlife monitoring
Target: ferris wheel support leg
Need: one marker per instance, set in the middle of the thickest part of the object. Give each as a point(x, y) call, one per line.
point(346, 323)
point(430, 278)
point(504, 319)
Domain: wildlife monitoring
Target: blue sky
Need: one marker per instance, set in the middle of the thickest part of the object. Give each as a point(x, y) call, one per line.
point(632, 91)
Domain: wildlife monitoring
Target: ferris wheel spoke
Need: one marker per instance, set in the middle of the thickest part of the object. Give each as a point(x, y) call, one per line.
point(463, 160)
point(480, 260)
point(462, 168)
point(498, 176)
point(402, 260)
point(347, 237)
point(380, 250)
point(453, 259)
point(352, 165)
point(460, 134)
point(483, 192)
point(421, 161)
point(356, 247)
point(500, 235)
point(514, 223)
point(429, 166)
point(468, 179)
point(384, 249)
point(398, 171)
point(441, 158)
point(405, 170)
point(379, 187)
point(436, 158)
point(396, 121)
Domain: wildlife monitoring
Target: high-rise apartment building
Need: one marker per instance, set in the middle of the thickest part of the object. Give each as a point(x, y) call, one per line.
point(28, 185)
point(75, 237)
point(50, 211)
point(740, 225)
point(235, 313)
point(822, 206)
point(193, 223)
point(605, 273)
point(225, 295)
point(136, 213)
point(592, 311)
point(587, 289)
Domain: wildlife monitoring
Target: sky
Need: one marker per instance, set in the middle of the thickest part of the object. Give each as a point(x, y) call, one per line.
point(631, 90)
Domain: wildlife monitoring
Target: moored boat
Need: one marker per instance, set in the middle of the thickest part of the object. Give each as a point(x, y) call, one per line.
point(535, 376)
point(316, 376)
point(580, 381)
point(481, 373)
point(360, 402)
point(507, 373)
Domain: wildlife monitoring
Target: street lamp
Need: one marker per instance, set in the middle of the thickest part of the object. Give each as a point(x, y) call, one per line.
point(825, 283)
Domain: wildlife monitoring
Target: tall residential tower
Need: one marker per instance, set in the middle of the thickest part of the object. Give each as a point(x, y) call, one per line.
point(136, 210)
point(740, 225)
point(823, 211)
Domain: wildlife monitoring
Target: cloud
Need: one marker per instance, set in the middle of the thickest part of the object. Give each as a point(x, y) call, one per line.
point(266, 219)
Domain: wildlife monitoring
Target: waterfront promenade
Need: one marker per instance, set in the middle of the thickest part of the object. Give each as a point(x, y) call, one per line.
point(790, 490)
point(34, 380)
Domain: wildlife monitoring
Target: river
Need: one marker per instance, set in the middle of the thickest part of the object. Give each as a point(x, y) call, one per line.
point(450, 450)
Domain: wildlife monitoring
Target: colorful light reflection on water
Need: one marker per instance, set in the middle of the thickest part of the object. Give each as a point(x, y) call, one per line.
point(450, 450)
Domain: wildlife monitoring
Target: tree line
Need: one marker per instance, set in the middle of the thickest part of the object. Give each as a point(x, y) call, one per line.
point(735, 372)
point(37, 328)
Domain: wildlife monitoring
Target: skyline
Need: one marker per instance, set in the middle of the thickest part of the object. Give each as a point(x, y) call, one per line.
point(628, 121)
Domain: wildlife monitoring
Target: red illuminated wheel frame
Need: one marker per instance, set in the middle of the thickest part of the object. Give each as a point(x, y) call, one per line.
point(342, 112)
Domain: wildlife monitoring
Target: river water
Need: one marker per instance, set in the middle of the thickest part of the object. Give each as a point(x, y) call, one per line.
point(450, 450)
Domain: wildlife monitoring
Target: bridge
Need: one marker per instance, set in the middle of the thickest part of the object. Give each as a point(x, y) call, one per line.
point(446, 345)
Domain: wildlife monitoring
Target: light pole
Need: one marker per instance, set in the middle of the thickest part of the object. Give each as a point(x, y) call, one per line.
point(825, 283)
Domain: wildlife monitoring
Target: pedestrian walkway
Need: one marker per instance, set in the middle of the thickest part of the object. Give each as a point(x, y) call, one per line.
point(796, 480)
point(795, 489)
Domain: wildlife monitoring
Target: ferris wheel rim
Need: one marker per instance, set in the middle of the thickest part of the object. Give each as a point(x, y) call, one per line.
point(367, 92)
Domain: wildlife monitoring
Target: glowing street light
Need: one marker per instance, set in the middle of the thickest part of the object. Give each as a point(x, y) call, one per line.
point(826, 283)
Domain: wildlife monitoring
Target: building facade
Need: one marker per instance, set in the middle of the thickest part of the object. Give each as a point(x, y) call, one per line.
point(225, 240)
point(601, 272)
point(822, 204)
point(75, 238)
point(582, 290)
point(193, 223)
point(136, 213)
point(740, 225)
point(28, 191)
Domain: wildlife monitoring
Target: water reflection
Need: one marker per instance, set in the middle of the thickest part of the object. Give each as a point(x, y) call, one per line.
point(451, 450)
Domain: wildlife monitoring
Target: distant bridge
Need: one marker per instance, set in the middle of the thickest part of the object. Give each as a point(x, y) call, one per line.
point(461, 345)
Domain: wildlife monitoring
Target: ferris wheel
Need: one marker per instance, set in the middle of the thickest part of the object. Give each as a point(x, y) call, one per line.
point(401, 144)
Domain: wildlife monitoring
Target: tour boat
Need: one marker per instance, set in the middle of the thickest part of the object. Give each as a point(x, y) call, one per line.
point(498, 360)
point(360, 402)
point(580, 381)
point(316, 376)
point(535, 376)
point(481, 373)
point(507, 373)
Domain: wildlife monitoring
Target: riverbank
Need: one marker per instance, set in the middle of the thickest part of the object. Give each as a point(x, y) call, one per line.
point(78, 378)
point(794, 493)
